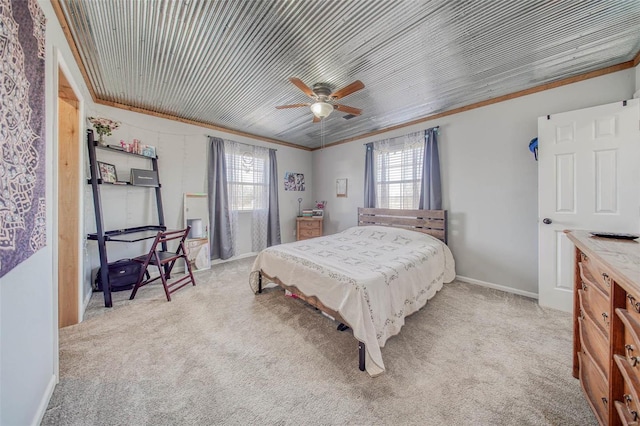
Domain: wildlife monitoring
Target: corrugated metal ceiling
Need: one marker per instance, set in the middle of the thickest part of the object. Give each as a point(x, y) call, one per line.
point(228, 63)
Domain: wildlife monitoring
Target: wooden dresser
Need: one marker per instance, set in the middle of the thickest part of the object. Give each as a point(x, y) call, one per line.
point(308, 227)
point(606, 326)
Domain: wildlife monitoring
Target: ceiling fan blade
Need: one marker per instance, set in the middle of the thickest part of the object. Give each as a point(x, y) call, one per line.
point(300, 85)
point(345, 91)
point(316, 119)
point(292, 106)
point(347, 109)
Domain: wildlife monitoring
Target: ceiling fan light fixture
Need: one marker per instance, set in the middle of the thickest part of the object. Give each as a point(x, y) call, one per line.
point(321, 109)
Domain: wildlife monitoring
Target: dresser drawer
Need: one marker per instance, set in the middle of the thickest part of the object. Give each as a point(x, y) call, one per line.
point(633, 305)
point(595, 305)
point(587, 278)
point(597, 272)
point(631, 339)
point(309, 233)
point(595, 343)
point(630, 393)
point(627, 417)
point(309, 224)
point(594, 386)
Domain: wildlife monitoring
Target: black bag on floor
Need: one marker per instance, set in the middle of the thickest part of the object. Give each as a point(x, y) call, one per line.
point(123, 275)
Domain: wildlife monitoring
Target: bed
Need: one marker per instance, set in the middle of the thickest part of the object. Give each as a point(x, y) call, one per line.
point(369, 277)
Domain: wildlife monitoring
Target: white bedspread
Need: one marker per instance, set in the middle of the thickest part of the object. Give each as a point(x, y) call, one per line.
point(374, 276)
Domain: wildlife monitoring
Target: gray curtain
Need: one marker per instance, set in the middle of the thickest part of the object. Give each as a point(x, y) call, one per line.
point(273, 220)
point(369, 178)
point(221, 243)
point(431, 192)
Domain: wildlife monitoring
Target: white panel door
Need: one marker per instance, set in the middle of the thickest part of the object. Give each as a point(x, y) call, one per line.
point(588, 178)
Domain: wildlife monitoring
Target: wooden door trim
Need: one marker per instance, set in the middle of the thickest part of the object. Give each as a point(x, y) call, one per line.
point(68, 218)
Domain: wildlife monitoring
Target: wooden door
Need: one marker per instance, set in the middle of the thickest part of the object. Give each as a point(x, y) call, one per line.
point(588, 178)
point(68, 205)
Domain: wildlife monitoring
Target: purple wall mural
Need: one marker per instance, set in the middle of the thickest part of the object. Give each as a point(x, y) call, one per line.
point(22, 128)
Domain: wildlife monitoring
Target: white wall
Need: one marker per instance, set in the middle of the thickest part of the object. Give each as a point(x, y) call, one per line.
point(489, 178)
point(182, 152)
point(28, 294)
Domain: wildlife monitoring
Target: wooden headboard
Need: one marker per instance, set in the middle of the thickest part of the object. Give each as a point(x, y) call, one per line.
point(432, 222)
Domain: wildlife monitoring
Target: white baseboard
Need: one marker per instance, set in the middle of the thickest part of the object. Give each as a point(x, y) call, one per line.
point(87, 298)
point(85, 303)
point(497, 287)
point(44, 402)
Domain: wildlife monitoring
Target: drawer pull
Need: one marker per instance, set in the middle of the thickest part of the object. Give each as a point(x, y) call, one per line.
point(584, 286)
point(584, 257)
point(604, 401)
point(635, 359)
point(606, 279)
point(581, 315)
point(632, 300)
point(605, 316)
point(627, 400)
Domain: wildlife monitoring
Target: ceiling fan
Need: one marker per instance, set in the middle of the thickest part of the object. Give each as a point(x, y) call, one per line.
point(323, 98)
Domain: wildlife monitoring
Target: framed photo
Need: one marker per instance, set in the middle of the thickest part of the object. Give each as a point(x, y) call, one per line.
point(293, 181)
point(149, 151)
point(107, 172)
point(341, 187)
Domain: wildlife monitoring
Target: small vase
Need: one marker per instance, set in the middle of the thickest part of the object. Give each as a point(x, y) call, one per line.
point(101, 140)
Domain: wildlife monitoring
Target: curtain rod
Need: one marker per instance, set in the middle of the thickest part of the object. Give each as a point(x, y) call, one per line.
point(434, 127)
point(243, 143)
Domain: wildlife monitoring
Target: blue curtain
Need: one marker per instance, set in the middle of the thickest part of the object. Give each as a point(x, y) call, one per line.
point(273, 220)
point(431, 192)
point(369, 178)
point(221, 243)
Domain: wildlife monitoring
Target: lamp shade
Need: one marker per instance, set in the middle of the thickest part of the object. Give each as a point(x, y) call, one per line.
point(321, 109)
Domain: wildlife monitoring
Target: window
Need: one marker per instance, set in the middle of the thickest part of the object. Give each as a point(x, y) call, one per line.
point(398, 176)
point(247, 180)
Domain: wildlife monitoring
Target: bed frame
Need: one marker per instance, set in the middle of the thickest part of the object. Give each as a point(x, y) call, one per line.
point(432, 222)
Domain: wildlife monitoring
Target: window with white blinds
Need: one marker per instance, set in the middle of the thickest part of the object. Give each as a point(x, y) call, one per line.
point(247, 181)
point(398, 176)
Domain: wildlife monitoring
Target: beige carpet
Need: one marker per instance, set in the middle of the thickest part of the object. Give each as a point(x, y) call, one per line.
point(217, 354)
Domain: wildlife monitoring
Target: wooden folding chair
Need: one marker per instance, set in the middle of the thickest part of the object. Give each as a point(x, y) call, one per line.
point(165, 260)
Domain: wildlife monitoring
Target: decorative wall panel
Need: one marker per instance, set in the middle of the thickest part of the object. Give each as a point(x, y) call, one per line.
point(22, 127)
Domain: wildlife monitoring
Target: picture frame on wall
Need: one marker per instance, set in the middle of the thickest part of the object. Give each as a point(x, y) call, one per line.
point(293, 181)
point(107, 172)
point(341, 187)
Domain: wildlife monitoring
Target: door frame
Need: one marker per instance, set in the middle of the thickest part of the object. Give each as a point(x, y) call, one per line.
point(59, 65)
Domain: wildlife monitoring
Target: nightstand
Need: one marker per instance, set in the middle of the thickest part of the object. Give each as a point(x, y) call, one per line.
point(308, 227)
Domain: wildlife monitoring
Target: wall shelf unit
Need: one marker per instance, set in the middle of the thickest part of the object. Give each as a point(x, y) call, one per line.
point(126, 235)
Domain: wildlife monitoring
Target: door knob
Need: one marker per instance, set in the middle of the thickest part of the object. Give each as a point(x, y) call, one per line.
point(546, 221)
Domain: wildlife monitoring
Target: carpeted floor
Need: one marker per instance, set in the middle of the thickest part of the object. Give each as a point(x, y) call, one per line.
point(217, 354)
